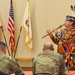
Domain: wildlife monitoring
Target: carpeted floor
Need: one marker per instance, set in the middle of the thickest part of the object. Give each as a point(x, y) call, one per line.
point(30, 73)
point(26, 73)
point(72, 73)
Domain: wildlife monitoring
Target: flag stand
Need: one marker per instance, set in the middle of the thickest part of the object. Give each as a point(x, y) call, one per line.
point(5, 40)
point(17, 42)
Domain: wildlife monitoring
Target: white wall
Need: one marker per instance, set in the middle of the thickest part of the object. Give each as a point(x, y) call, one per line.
point(45, 14)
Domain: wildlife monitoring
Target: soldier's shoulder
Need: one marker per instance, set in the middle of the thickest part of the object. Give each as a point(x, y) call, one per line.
point(57, 55)
point(38, 57)
point(10, 58)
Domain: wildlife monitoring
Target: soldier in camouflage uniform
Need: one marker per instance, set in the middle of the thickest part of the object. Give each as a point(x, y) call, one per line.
point(8, 64)
point(48, 62)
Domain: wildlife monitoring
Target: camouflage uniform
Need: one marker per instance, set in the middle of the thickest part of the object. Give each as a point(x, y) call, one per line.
point(9, 65)
point(49, 62)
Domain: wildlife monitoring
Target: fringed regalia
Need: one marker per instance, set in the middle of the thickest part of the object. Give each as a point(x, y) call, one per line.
point(66, 46)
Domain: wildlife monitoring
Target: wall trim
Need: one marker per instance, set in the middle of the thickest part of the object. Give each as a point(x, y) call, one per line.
point(23, 58)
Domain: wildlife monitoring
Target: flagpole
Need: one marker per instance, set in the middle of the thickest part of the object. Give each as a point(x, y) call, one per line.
point(17, 42)
point(11, 50)
point(5, 40)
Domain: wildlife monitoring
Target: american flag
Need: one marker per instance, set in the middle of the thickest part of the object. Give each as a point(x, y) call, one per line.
point(11, 27)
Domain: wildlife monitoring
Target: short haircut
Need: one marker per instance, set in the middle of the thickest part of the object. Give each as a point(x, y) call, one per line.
point(2, 45)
